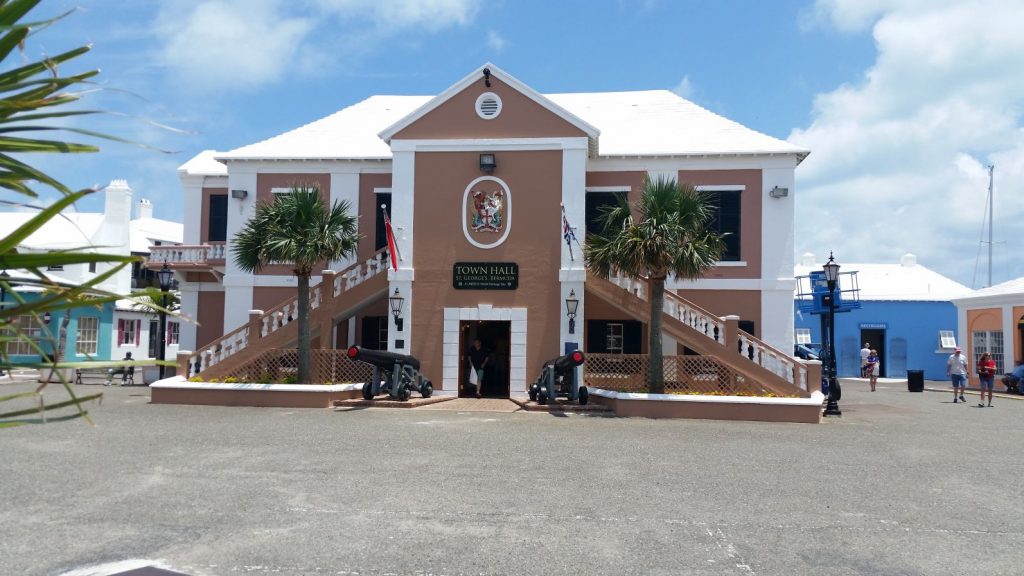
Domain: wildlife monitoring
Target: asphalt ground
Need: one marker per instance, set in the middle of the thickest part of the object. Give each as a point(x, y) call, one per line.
point(901, 484)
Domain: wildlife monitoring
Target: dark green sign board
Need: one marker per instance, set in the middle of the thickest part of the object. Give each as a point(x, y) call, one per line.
point(485, 276)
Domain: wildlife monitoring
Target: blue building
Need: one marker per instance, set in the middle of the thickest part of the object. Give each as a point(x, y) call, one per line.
point(906, 314)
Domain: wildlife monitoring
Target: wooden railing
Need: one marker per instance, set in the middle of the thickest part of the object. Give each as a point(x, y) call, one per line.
point(724, 332)
point(266, 324)
point(280, 365)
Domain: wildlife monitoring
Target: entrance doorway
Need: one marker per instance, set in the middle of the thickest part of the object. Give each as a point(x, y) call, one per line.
point(495, 337)
point(876, 341)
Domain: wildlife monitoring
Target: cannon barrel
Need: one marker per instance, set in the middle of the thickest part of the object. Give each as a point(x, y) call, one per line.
point(382, 358)
point(564, 363)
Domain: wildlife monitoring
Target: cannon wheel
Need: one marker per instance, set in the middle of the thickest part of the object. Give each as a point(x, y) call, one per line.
point(584, 395)
point(542, 398)
point(426, 389)
point(368, 391)
point(403, 393)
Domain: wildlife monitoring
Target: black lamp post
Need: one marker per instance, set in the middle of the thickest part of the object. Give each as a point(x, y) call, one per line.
point(571, 305)
point(4, 278)
point(396, 302)
point(834, 392)
point(164, 277)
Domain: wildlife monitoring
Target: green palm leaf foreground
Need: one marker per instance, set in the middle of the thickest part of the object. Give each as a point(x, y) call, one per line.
point(34, 101)
point(297, 228)
point(665, 233)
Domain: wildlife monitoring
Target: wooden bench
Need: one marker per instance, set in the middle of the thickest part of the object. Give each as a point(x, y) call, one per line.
point(105, 376)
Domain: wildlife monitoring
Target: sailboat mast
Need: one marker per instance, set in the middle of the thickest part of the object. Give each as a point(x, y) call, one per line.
point(991, 168)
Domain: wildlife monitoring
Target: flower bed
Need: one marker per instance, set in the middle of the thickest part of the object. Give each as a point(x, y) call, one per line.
point(712, 406)
point(177, 390)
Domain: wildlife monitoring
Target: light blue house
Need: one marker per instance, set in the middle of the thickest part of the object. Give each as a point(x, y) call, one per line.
point(906, 314)
point(106, 332)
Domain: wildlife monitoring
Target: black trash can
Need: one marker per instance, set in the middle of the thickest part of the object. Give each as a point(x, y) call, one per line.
point(915, 380)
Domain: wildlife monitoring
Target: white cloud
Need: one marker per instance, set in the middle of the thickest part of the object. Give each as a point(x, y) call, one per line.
point(684, 88)
point(898, 159)
point(225, 44)
point(495, 41)
point(397, 14)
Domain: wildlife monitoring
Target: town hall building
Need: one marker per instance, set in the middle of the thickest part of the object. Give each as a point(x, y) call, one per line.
point(480, 183)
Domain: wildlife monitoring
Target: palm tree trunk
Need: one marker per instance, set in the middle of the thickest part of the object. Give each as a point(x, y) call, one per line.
point(305, 360)
point(656, 366)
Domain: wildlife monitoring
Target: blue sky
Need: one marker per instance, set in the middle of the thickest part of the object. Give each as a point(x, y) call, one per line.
point(902, 102)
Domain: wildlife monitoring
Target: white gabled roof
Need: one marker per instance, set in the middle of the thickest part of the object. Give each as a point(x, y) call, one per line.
point(505, 77)
point(1009, 290)
point(62, 232)
point(642, 123)
point(904, 281)
point(203, 164)
point(348, 134)
point(145, 232)
point(661, 123)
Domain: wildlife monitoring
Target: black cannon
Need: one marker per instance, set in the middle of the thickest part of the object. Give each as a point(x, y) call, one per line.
point(558, 378)
point(397, 374)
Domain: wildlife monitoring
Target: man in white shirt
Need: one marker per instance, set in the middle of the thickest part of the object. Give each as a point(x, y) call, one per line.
point(956, 369)
point(864, 353)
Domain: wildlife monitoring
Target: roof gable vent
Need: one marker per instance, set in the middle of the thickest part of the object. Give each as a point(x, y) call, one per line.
point(488, 106)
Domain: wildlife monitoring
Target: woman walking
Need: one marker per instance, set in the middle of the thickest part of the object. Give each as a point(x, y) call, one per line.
point(872, 368)
point(986, 377)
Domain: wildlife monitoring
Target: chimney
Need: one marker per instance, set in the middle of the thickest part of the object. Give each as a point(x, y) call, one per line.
point(908, 260)
point(117, 206)
point(807, 259)
point(144, 209)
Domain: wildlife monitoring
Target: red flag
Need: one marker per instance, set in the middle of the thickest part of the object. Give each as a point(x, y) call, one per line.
point(392, 245)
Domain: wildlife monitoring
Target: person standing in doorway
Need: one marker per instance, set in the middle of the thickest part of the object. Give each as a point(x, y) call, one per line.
point(872, 368)
point(864, 353)
point(478, 359)
point(986, 376)
point(956, 370)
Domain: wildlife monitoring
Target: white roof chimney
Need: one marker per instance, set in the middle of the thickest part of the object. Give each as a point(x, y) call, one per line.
point(807, 259)
point(144, 209)
point(908, 260)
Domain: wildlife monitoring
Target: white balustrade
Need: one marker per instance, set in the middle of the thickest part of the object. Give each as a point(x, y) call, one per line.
point(273, 320)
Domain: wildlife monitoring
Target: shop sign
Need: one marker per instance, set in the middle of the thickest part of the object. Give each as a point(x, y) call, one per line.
point(485, 276)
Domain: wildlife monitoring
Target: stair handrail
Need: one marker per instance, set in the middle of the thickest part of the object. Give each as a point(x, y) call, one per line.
point(284, 313)
point(748, 346)
point(701, 320)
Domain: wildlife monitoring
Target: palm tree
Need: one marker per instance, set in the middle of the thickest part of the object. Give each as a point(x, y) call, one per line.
point(297, 228)
point(666, 232)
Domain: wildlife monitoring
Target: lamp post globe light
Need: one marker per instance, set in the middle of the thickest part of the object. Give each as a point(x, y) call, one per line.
point(164, 277)
point(834, 392)
point(397, 302)
point(571, 306)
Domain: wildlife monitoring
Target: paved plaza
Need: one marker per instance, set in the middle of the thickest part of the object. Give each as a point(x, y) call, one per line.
point(902, 484)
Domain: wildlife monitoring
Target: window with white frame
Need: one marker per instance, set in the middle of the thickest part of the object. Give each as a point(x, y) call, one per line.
point(614, 338)
point(172, 333)
point(128, 332)
point(30, 329)
point(947, 339)
point(88, 335)
point(991, 342)
point(803, 335)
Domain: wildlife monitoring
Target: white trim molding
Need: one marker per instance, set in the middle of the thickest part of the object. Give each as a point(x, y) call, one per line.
point(451, 353)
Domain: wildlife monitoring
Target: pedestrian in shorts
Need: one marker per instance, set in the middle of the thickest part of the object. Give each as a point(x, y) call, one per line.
point(956, 370)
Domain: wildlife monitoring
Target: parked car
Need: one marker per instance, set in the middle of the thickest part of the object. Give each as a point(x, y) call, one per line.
point(807, 351)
